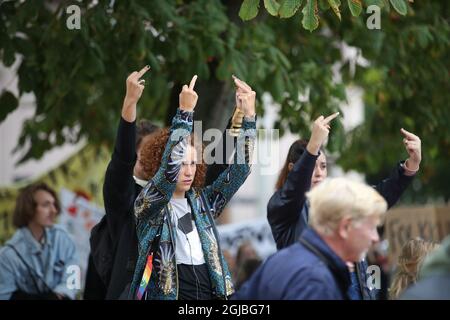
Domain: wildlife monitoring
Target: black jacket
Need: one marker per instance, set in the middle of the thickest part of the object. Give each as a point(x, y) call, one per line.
point(287, 210)
point(113, 240)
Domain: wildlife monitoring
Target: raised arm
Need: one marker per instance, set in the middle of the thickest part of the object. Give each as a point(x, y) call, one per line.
point(229, 181)
point(285, 204)
point(283, 209)
point(157, 193)
point(234, 124)
point(118, 191)
point(231, 133)
point(393, 187)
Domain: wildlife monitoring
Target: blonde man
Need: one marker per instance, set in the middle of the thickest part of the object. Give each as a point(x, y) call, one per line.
point(344, 216)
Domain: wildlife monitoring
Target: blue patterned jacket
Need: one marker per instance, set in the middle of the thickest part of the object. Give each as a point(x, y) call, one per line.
point(151, 213)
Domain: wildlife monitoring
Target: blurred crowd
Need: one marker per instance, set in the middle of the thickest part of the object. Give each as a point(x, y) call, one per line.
point(158, 238)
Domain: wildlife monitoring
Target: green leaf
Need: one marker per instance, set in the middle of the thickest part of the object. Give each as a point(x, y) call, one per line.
point(272, 7)
point(334, 4)
point(289, 7)
point(223, 71)
point(379, 3)
point(249, 9)
point(400, 6)
point(324, 5)
point(278, 86)
point(424, 36)
point(238, 64)
point(355, 7)
point(8, 103)
point(283, 60)
point(183, 49)
point(310, 18)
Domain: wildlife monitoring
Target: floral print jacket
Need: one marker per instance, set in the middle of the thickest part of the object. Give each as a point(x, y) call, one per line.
point(152, 209)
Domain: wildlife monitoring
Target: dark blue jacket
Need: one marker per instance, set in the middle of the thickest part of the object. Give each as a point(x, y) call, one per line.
point(287, 210)
point(306, 270)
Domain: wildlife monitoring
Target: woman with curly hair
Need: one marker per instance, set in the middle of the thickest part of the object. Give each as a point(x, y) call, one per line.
point(179, 250)
point(409, 263)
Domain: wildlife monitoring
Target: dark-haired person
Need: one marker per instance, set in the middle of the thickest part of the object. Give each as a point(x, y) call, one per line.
point(113, 240)
point(34, 262)
point(114, 245)
point(179, 252)
point(305, 168)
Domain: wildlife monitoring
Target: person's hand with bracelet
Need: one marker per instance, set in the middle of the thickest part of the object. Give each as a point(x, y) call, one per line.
point(414, 148)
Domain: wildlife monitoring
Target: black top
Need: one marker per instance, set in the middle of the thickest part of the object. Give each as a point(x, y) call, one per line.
point(113, 239)
point(287, 210)
point(194, 282)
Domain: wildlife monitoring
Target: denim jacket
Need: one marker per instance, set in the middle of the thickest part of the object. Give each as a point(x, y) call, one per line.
point(41, 267)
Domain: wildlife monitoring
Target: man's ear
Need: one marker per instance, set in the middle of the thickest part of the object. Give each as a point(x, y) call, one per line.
point(344, 227)
point(290, 166)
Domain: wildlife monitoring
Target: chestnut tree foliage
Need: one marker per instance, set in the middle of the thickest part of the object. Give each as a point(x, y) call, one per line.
point(287, 49)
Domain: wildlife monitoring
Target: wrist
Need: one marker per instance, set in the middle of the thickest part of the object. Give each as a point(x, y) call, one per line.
point(129, 102)
point(313, 148)
point(186, 106)
point(250, 118)
point(249, 115)
point(411, 165)
point(129, 111)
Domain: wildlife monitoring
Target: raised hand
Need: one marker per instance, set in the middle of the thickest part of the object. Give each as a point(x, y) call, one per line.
point(135, 87)
point(413, 146)
point(245, 97)
point(188, 97)
point(321, 129)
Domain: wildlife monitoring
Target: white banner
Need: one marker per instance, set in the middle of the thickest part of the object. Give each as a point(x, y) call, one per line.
point(78, 217)
point(256, 231)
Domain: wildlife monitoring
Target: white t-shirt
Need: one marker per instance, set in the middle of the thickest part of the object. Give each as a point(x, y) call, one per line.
point(188, 246)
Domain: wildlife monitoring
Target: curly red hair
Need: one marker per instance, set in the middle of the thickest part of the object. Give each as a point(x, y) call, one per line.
point(152, 150)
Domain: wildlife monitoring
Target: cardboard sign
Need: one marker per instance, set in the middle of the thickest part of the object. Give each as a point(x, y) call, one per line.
point(430, 223)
